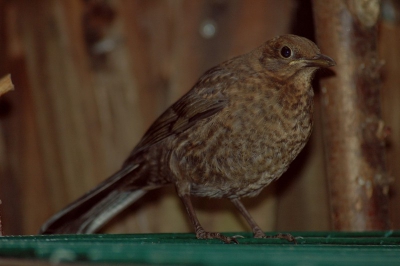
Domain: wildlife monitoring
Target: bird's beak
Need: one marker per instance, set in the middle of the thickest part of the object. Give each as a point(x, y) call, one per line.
point(319, 60)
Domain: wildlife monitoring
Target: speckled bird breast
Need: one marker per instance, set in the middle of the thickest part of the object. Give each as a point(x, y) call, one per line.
point(247, 146)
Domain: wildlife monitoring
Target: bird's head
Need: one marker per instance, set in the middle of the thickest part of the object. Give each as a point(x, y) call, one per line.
point(288, 55)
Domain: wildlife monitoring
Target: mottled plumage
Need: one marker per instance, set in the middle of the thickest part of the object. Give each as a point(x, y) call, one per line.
point(237, 130)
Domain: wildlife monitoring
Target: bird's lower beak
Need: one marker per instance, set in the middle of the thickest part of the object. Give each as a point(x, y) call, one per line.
point(320, 60)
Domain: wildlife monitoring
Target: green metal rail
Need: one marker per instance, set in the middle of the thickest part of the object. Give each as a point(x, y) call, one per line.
point(313, 248)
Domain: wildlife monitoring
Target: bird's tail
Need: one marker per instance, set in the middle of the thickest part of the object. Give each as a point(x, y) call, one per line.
point(98, 206)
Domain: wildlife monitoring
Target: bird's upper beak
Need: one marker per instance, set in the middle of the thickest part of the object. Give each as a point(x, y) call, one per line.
point(319, 60)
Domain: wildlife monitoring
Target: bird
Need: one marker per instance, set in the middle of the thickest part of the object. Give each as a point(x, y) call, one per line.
point(233, 133)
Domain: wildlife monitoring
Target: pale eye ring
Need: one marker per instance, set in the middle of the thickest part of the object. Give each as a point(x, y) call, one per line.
point(286, 52)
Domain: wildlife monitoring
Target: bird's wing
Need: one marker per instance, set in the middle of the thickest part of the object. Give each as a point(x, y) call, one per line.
point(203, 101)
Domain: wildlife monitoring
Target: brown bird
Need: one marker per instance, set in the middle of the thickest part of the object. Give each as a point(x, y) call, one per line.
point(231, 135)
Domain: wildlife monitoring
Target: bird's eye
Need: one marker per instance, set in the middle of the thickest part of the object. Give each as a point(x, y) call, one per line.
point(286, 52)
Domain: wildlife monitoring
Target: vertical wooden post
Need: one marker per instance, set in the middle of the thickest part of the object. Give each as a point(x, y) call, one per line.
point(5, 86)
point(354, 132)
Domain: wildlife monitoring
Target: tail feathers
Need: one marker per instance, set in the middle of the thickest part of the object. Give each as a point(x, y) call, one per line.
point(98, 206)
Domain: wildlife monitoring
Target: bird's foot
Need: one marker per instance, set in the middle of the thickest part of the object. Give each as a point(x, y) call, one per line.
point(201, 234)
point(288, 237)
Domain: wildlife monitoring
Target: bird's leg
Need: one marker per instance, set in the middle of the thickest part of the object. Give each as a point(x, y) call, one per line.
point(258, 233)
point(200, 232)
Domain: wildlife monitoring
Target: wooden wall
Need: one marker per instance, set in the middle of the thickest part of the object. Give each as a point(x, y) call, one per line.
point(90, 77)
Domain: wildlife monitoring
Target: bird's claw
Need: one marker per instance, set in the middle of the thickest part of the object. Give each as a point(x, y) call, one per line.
point(212, 235)
point(287, 237)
